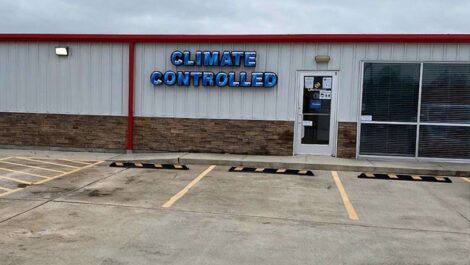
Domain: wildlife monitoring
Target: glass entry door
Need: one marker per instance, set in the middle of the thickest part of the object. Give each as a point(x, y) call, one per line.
point(316, 117)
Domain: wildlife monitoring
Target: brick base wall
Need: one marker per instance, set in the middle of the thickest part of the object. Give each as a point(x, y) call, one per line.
point(150, 134)
point(215, 136)
point(347, 135)
point(67, 131)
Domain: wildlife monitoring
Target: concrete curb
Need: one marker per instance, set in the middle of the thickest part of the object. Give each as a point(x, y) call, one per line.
point(300, 162)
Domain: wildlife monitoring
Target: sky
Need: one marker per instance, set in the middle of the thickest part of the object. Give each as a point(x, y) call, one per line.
point(234, 16)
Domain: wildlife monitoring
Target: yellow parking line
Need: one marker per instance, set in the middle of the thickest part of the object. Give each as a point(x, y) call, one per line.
point(23, 172)
point(16, 180)
point(10, 192)
point(24, 165)
point(182, 192)
point(45, 162)
point(67, 173)
point(5, 158)
point(466, 179)
point(344, 196)
point(5, 189)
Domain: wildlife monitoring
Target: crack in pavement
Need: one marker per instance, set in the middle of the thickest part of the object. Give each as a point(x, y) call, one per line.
point(305, 222)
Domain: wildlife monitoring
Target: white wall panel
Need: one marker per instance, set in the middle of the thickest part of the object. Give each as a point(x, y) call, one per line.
point(276, 103)
point(91, 80)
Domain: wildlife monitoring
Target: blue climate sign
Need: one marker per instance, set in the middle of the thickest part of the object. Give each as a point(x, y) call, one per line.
point(208, 78)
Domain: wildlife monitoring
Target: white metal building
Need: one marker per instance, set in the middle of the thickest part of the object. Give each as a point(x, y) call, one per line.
point(341, 95)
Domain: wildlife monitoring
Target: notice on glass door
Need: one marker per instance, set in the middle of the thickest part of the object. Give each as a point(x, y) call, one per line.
point(327, 82)
point(307, 123)
point(308, 82)
point(325, 94)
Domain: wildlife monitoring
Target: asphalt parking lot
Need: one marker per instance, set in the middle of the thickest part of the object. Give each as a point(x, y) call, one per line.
point(65, 211)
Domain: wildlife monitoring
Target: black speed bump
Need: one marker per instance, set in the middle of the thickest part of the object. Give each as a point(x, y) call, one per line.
point(272, 171)
point(404, 177)
point(148, 165)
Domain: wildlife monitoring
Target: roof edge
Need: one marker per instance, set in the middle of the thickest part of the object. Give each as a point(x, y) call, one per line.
point(245, 38)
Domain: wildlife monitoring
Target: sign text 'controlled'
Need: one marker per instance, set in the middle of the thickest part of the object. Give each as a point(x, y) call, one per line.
point(208, 78)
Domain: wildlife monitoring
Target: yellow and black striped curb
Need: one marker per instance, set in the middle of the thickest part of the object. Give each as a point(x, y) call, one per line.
point(405, 177)
point(272, 171)
point(148, 165)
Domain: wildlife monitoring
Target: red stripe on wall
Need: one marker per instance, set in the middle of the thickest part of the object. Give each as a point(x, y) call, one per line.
point(266, 38)
point(130, 111)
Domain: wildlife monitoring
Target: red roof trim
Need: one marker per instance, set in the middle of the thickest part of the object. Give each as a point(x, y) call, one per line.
point(331, 38)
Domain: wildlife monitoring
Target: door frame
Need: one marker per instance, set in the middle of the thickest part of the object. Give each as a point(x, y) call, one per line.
point(333, 114)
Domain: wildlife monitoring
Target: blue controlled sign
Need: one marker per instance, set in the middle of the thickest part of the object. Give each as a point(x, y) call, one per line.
point(219, 79)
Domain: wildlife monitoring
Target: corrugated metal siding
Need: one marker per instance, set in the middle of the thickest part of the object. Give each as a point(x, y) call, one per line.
point(91, 80)
point(285, 59)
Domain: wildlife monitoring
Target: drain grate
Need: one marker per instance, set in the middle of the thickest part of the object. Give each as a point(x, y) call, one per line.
point(272, 171)
point(404, 177)
point(148, 165)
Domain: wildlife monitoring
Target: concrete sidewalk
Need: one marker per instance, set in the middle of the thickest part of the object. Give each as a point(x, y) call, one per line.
point(294, 162)
point(313, 162)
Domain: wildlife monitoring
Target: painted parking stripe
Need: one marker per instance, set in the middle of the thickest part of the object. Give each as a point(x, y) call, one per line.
point(35, 167)
point(403, 177)
point(16, 180)
point(45, 162)
point(5, 189)
point(182, 192)
point(23, 184)
point(272, 171)
point(466, 179)
point(10, 192)
point(67, 173)
point(344, 196)
point(148, 165)
point(23, 172)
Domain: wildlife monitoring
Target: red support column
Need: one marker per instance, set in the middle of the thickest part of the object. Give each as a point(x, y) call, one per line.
point(130, 111)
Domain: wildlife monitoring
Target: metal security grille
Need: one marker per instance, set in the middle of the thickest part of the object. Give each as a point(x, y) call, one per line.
point(416, 110)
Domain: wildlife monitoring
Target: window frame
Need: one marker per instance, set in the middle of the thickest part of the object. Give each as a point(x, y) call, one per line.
point(418, 122)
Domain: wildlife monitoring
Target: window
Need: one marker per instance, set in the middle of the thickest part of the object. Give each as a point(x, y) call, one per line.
point(389, 139)
point(392, 124)
point(390, 91)
point(446, 93)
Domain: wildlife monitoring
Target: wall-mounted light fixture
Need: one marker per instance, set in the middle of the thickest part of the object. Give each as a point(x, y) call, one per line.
point(62, 51)
point(322, 58)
